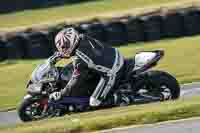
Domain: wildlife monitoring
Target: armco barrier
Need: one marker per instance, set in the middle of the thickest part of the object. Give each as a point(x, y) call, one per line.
point(152, 27)
point(173, 25)
point(16, 46)
point(3, 50)
point(192, 22)
point(38, 45)
point(116, 33)
point(135, 32)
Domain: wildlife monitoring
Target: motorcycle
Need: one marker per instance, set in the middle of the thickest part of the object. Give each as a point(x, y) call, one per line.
point(139, 85)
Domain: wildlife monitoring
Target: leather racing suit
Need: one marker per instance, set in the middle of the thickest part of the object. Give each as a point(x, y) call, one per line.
point(103, 60)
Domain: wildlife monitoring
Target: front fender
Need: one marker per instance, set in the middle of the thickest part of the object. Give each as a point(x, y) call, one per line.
point(28, 83)
point(28, 96)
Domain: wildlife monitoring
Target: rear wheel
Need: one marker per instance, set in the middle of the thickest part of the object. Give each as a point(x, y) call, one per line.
point(157, 84)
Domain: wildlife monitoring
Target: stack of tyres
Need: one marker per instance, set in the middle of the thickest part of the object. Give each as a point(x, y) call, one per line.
point(3, 50)
point(135, 30)
point(73, 1)
point(116, 33)
point(16, 46)
point(31, 4)
point(38, 45)
point(95, 30)
point(152, 26)
point(82, 28)
point(192, 22)
point(7, 6)
point(173, 25)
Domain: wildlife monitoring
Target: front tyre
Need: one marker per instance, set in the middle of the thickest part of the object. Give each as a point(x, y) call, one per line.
point(32, 109)
point(159, 83)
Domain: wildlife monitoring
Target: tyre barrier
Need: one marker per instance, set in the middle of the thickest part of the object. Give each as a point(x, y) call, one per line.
point(81, 28)
point(173, 25)
point(95, 30)
point(192, 22)
point(19, 5)
point(152, 27)
point(135, 32)
point(16, 46)
point(115, 32)
point(38, 45)
point(3, 50)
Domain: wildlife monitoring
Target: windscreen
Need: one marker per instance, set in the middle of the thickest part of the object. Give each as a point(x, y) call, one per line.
point(40, 73)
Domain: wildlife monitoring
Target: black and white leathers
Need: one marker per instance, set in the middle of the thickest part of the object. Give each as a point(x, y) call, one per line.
point(104, 60)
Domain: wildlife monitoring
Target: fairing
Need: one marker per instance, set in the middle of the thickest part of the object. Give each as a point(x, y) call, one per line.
point(44, 72)
point(147, 58)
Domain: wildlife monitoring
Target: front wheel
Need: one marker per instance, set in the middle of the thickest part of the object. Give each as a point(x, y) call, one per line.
point(158, 84)
point(32, 109)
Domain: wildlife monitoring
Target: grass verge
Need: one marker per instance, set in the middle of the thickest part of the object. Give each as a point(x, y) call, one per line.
point(181, 60)
point(85, 11)
point(110, 118)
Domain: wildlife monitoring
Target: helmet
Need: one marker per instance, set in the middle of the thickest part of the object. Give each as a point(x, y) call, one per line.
point(66, 41)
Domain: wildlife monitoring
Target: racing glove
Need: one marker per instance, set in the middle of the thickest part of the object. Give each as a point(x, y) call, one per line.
point(55, 96)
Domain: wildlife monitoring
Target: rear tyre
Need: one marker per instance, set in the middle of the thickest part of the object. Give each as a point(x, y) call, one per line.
point(158, 82)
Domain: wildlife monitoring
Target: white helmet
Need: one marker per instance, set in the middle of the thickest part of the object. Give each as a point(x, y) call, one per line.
point(66, 41)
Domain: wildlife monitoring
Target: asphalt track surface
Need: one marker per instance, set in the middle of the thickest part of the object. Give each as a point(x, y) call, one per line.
point(187, 90)
point(181, 126)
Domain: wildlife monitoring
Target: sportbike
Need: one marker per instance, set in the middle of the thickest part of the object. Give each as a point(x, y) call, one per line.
point(138, 85)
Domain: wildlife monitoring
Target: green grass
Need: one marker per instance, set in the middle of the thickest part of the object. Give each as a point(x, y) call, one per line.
point(115, 117)
point(77, 11)
point(12, 81)
point(181, 60)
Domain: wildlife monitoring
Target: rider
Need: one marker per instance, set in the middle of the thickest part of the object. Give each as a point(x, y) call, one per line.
point(88, 53)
